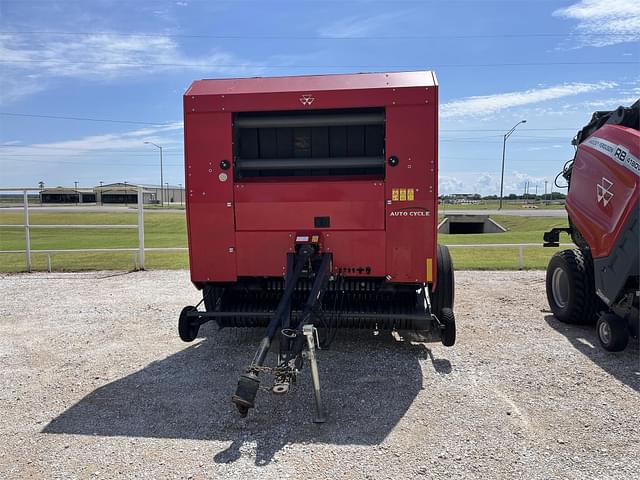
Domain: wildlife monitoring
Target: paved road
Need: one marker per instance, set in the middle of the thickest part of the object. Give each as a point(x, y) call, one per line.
point(525, 212)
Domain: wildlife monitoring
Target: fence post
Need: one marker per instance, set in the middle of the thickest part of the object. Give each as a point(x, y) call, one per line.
point(27, 234)
point(521, 257)
point(141, 227)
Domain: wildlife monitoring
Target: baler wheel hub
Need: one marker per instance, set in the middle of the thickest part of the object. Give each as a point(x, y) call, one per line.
point(604, 331)
point(560, 287)
point(613, 333)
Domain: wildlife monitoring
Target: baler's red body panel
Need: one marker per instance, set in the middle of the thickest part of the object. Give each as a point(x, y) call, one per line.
point(384, 225)
point(600, 213)
point(351, 204)
point(210, 218)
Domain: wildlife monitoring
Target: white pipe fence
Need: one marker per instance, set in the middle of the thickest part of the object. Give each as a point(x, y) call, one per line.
point(27, 226)
point(519, 246)
point(140, 249)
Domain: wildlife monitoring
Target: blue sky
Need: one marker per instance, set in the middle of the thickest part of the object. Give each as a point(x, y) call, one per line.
point(550, 62)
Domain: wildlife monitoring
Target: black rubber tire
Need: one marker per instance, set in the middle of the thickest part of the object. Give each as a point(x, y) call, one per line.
point(187, 331)
point(573, 299)
point(612, 332)
point(448, 334)
point(443, 296)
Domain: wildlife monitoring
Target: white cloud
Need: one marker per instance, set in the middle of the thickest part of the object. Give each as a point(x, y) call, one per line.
point(486, 183)
point(360, 25)
point(13, 87)
point(611, 103)
point(544, 148)
point(483, 106)
point(29, 64)
point(448, 185)
point(88, 159)
point(97, 55)
point(516, 181)
point(626, 94)
point(605, 22)
point(485, 180)
point(483, 183)
point(86, 147)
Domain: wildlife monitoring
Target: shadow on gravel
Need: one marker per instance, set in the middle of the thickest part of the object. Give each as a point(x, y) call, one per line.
point(368, 384)
point(624, 366)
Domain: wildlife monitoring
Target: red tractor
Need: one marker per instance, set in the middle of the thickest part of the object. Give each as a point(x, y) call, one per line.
point(312, 203)
point(598, 281)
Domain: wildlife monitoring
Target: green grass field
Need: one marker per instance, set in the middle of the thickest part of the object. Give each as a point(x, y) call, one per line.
point(493, 205)
point(168, 229)
point(519, 230)
point(161, 230)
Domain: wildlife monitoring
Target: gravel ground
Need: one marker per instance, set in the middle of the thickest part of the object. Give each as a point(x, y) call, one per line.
point(96, 384)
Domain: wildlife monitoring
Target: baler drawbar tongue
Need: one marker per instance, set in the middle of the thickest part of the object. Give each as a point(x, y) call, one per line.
point(293, 337)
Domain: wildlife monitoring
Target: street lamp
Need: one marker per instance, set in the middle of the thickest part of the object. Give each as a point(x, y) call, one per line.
point(161, 176)
point(504, 145)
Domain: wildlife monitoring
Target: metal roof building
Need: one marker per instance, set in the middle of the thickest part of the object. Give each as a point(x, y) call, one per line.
point(113, 193)
point(67, 195)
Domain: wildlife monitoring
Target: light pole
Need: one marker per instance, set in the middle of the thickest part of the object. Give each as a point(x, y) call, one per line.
point(161, 176)
point(545, 192)
point(180, 185)
point(504, 146)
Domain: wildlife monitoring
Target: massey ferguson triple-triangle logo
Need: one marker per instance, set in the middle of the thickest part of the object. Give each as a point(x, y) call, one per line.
point(603, 191)
point(306, 100)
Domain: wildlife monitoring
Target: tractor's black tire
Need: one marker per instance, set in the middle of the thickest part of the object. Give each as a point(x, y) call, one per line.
point(571, 287)
point(444, 294)
point(187, 331)
point(448, 334)
point(612, 332)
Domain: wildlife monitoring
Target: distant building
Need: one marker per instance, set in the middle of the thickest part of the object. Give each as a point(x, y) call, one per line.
point(123, 193)
point(113, 193)
point(67, 195)
point(460, 198)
